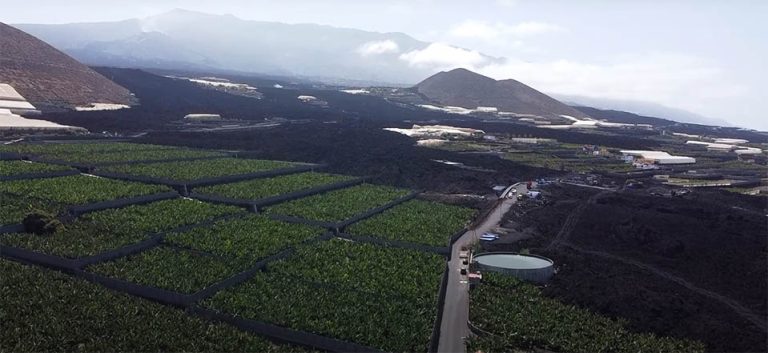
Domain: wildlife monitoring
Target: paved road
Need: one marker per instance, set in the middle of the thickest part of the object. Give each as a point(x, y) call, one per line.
point(453, 327)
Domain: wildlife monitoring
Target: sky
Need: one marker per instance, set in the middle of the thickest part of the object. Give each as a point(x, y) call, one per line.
point(707, 57)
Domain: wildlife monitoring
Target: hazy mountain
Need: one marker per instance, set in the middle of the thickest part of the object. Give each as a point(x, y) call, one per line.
point(48, 78)
point(642, 108)
point(617, 116)
point(464, 88)
point(188, 39)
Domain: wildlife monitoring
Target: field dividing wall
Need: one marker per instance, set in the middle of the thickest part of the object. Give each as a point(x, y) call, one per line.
point(10, 156)
point(254, 205)
point(283, 334)
point(445, 251)
point(341, 225)
point(119, 203)
point(27, 176)
point(183, 187)
point(11, 228)
point(434, 341)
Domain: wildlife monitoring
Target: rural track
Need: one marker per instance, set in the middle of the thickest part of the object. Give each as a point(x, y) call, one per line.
point(562, 239)
point(739, 309)
point(570, 222)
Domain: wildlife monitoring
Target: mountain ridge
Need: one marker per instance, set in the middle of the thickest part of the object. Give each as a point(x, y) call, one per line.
point(50, 79)
point(230, 43)
point(464, 88)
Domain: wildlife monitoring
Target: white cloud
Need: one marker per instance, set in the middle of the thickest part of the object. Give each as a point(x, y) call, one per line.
point(443, 56)
point(378, 47)
point(475, 29)
point(674, 80)
point(494, 31)
point(507, 3)
point(529, 28)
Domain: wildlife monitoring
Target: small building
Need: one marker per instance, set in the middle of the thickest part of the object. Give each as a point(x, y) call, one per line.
point(723, 147)
point(306, 99)
point(438, 131)
point(487, 110)
point(203, 117)
point(499, 189)
point(531, 140)
point(748, 151)
point(534, 194)
point(731, 141)
point(431, 142)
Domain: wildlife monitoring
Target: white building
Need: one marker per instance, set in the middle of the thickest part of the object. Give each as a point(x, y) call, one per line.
point(13, 105)
point(731, 141)
point(437, 131)
point(713, 146)
point(203, 117)
point(306, 99)
point(531, 140)
point(658, 157)
point(11, 100)
point(748, 150)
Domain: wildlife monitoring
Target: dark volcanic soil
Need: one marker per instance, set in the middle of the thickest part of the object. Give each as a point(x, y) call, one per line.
point(359, 148)
point(692, 267)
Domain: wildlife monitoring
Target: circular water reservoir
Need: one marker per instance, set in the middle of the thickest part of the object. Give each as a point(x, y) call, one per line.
point(531, 268)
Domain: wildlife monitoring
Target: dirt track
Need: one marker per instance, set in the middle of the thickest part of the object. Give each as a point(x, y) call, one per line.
point(691, 267)
point(742, 311)
point(562, 239)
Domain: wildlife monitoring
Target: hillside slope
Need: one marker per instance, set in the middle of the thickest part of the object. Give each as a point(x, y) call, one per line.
point(464, 88)
point(48, 78)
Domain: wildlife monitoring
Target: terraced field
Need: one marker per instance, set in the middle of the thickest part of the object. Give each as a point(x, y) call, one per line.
point(78, 189)
point(8, 168)
point(268, 187)
point(93, 147)
point(244, 240)
point(111, 229)
point(14, 208)
point(54, 195)
point(341, 204)
point(306, 279)
point(138, 155)
point(416, 221)
point(336, 287)
point(47, 311)
point(194, 170)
